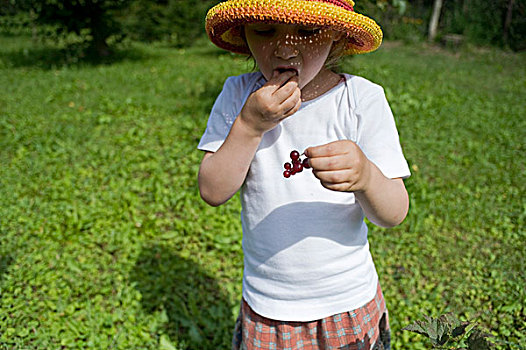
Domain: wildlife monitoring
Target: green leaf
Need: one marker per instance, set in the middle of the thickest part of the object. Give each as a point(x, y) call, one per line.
point(460, 329)
point(439, 330)
point(165, 343)
point(457, 327)
point(419, 327)
point(478, 340)
point(435, 329)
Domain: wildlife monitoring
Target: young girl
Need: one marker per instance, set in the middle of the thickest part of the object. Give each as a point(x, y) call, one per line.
point(309, 280)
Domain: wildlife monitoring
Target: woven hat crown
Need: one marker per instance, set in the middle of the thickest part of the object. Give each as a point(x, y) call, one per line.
point(223, 21)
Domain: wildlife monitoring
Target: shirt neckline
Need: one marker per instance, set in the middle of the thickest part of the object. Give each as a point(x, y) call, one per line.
point(344, 77)
point(341, 83)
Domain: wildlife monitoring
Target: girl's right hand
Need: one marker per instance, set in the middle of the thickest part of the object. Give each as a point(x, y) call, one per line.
point(278, 99)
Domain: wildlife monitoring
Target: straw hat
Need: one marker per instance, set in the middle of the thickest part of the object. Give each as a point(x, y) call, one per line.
point(224, 20)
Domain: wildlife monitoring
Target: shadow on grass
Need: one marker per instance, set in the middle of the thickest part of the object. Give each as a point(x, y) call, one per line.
point(52, 58)
point(5, 261)
point(198, 312)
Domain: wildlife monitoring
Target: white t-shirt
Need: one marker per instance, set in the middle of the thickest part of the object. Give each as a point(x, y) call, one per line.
point(306, 254)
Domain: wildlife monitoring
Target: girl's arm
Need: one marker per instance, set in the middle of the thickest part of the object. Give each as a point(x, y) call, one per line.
point(222, 173)
point(342, 166)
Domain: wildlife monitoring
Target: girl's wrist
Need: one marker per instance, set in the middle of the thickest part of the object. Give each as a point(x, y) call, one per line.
point(248, 130)
point(371, 176)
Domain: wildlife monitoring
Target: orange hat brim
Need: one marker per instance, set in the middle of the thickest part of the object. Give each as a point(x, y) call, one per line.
point(224, 20)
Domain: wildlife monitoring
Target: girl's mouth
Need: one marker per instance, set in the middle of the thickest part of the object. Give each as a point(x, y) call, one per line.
point(282, 70)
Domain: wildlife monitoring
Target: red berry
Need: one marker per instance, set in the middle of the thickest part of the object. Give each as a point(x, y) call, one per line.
point(294, 155)
point(296, 165)
point(298, 168)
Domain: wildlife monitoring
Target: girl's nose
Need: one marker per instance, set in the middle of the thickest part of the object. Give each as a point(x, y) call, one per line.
point(286, 49)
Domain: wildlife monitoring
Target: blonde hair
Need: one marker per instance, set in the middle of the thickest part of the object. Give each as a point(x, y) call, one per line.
point(335, 55)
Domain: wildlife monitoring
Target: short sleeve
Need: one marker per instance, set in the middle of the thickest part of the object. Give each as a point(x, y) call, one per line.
point(221, 118)
point(377, 135)
point(226, 108)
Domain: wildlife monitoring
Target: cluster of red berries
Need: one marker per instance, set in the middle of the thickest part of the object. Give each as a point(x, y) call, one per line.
point(296, 165)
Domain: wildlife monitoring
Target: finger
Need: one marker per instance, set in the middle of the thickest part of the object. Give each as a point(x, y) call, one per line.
point(340, 187)
point(336, 180)
point(330, 163)
point(295, 102)
point(335, 177)
point(326, 150)
point(287, 89)
point(291, 99)
point(279, 80)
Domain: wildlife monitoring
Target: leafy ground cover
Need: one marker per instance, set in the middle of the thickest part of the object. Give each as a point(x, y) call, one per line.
point(105, 243)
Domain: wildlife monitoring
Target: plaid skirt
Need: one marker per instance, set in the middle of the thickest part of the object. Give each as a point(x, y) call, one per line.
point(366, 328)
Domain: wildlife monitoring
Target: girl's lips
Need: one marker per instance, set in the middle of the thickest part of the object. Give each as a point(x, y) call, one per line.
point(282, 70)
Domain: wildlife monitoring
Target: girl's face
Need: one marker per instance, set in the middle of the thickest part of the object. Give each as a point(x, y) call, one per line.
point(280, 47)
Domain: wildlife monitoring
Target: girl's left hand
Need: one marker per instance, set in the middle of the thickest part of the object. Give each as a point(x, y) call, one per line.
point(340, 166)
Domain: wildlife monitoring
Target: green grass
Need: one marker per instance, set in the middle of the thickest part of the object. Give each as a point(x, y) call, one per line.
point(105, 243)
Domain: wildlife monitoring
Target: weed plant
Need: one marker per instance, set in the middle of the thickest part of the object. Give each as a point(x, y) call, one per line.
point(105, 243)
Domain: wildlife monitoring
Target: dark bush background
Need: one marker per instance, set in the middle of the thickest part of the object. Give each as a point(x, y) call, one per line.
point(97, 25)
